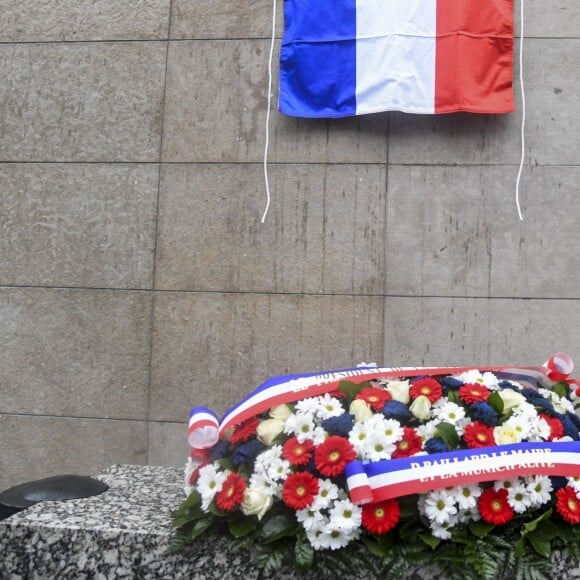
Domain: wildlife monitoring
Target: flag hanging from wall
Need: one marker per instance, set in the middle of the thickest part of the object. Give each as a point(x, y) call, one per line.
point(352, 57)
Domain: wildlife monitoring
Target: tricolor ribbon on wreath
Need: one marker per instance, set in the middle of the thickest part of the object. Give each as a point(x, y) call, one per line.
point(385, 479)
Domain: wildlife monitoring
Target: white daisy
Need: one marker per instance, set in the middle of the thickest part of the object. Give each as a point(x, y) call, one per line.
point(506, 484)
point(358, 437)
point(439, 506)
point(468, 515)
point(473, 377)
point(307, 406)
point(450, 413)
point(574, 482)
point(378, 446)
point(263, 484)
point(327, 492)
point(519, 498)
point(442, 531)
point(520, 424)
point(311, 520)
point(391, 429)
point(336, 538)
point(466, 496)
point(344, 515)
point(278, 470)
point(539, 430)
point(209, 483)
point(319, 436)
point(264, 459)
point(303, 427)
point(328, 407)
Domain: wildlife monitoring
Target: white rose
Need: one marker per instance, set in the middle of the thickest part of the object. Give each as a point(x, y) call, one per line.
point(280, 412)
point(399, 391)
point(510, 399)
point(256, 503)
point(506, 434)
point(360, 410)
point(421, 408)
point(269, 429)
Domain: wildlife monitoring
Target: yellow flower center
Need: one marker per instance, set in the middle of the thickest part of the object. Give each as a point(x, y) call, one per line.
point(572, 505)
point(379, 513)
point(300, 490)
point(334, 456)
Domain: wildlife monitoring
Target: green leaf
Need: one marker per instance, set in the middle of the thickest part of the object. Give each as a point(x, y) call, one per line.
point(531, 526)
point(193, 500)
point(304, 553)
point(408, 529)
point(448, 433)
point(225, 463)
point(375, 547)
point(430, 540)
point(540, 544)
point(547, 529)
point(215, 510)
point(408, 506)
point(278, 527)
point(519, 549)
point(352, 389)
point(496, 402)
point(453, 396)
point(480, 529)
point(201, 526)
point(561, 389)
point(242, 527)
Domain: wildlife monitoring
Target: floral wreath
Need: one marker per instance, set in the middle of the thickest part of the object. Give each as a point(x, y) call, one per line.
point(474, 470)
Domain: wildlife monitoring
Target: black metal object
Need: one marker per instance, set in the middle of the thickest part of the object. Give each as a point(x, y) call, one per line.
point(57, 488)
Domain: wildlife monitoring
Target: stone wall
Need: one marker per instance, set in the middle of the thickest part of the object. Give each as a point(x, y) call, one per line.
point(136, 279)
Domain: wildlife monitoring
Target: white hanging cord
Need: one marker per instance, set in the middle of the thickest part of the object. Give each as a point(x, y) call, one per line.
point(268, 111)
point(523, 138)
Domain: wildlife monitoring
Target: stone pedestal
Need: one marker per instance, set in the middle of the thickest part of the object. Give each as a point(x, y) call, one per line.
point(126, 532)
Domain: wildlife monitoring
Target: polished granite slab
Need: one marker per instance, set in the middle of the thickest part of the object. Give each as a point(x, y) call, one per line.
point(126, 532)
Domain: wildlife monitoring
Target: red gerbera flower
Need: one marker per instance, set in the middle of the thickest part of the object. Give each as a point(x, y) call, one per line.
point(430, 388)
point(232, 493)
point(556, 427)
point(473, 393)
point(299, 490)
point(374, 397)
point(494, 507)
point(332, 456)
point(409, 445)
point(568, 504)
point(297, 453)
point(478, 434)
point(379, 518)
point(245, 430)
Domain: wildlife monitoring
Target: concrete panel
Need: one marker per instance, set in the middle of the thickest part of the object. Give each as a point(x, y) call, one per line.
point(215, 110)
point(44, 20)
point(455, 231)
point(77, 225)
point(549, 19)
point(324, 232)
point(74, 352)
point(213, 349)
point(224, 19)
point(81, 102)
point(38, 447)
point(551, 70)
point(168, 444)
point(468, 331)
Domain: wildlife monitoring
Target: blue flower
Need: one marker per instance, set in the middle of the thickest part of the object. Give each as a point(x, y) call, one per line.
point(246, 451)
point(545, 405)
point(436, 445)
point(340, 425)
point(397, 410)
point(484, 413)
point(570, 428)
point(531, 395)
point(449, 383)
point(219, 450)
point(558, 482)
point(575, 419)
point(507, 385)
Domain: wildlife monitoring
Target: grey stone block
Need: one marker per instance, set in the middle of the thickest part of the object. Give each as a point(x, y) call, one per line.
point(224, 19)
point(212, 349)
point(81, 102)
point(455, 231)
point(324, 232)
point(74, 352)
point(549, 19)
point(215, 110)
point(551, 70)
point(471, 332)
point(168, 444)
point(38, 447)
point(77, 225)
point(44, 20)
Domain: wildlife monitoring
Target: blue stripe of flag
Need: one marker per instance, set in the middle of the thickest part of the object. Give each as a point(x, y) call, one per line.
point(318, 58)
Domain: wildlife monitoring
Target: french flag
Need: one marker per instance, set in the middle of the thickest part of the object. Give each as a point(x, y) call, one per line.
point(352, 57)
